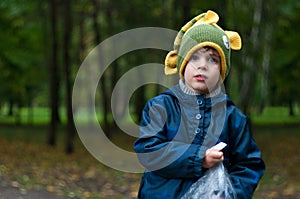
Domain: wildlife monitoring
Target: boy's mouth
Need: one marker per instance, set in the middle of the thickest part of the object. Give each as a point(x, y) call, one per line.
point(200, 77)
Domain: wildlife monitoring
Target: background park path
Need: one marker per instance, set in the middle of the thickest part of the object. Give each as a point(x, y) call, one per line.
point(8, 191)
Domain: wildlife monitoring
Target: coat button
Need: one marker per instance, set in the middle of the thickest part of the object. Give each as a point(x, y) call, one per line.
point(199, 102)
point(198, 116)
point(198, 131)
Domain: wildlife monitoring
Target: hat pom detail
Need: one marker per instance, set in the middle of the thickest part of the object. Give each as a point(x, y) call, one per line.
point(210, 17)
point(170, 63)
point(235, 40)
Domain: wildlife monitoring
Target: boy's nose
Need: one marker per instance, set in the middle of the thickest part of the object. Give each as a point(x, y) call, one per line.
point(202, 64)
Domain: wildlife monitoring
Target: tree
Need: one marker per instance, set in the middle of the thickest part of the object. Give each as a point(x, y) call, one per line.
point(270, 15)
point(103, 81)
point(250, 59)
point(20, 56)
point(268, 57)
point(286, 71)
point(53, 71)
point(68, 82)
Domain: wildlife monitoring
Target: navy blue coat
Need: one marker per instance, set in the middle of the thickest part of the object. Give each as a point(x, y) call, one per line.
point(175, 132)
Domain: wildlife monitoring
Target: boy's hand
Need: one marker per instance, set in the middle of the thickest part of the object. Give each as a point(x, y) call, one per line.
point(212, 157)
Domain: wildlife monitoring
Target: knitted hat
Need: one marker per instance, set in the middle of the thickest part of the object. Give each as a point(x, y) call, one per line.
point(202, 31)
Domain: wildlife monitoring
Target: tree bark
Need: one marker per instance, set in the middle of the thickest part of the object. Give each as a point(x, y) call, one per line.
point(250, 61)
point(291, 108)
point(270, 17)
point(10, 111)
point(53, 71)
point(69, 147)
point(103, 85)
point(266, 66)
point(186, 9)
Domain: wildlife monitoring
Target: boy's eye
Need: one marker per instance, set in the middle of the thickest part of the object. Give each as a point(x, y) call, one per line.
point(213, 60)
point(194, 57)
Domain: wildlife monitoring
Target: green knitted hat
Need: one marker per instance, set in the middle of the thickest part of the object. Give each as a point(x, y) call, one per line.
point(202, 31)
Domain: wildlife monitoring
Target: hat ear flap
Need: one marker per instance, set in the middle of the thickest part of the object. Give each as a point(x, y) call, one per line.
point(235, 40)
point(170, 63)
point(210, 17)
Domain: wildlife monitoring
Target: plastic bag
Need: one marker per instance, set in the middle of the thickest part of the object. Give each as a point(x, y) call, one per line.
point(215, 184)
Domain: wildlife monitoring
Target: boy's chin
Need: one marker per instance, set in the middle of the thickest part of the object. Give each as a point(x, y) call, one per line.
point(201, 91)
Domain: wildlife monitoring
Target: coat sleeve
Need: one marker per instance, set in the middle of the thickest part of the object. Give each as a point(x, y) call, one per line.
point(246, 164)
point(158, 148)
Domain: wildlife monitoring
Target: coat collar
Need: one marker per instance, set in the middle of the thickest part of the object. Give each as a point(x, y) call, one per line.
point(192, 99)
point(189, 91)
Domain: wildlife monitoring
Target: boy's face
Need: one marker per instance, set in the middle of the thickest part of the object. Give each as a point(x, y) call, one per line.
point(202, 72)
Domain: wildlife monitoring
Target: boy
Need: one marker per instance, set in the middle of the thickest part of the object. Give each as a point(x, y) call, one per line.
point(180, 126)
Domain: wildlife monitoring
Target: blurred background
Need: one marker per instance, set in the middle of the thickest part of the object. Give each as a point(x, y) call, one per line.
point(43, 43)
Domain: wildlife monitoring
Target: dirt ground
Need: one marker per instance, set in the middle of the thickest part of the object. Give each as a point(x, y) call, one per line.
point(7, 191)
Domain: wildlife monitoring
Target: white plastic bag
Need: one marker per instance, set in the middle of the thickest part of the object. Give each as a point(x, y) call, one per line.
point(215, 184)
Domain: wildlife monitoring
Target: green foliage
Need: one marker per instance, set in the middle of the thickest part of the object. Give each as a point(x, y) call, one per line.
point(25, 33)
point(21, 52)
point(286, 70)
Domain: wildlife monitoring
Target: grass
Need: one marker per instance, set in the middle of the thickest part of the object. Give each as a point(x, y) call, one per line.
point(37, 115)
point(41, 115)
point(276, 115)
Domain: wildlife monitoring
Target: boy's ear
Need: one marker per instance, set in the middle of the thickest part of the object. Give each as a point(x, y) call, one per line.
point(235, 40)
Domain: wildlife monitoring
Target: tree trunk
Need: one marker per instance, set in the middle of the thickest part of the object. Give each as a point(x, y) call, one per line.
point(53, 71)
point(186, 9)
point(291, 108)
point(140, 100)
point(82, 44)
point(266, 66)
point(115, 69)
point(18, 114)
point(10, 108)
point(103, 86)
point(69, 148)
point(250, 61)
point(30, 113)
